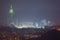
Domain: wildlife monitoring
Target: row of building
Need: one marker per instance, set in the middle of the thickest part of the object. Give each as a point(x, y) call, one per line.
point(42, 24)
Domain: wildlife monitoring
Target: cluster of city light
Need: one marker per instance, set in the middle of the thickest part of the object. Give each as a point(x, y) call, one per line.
point(42, 24)
point(26, 25)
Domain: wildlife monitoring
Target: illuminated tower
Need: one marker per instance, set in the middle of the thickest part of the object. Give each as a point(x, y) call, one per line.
point(11, 11)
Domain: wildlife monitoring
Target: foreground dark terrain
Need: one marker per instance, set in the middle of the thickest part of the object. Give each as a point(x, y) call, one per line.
point(12, 33)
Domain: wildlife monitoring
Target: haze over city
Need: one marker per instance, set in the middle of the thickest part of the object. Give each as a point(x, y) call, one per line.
point(30, 10)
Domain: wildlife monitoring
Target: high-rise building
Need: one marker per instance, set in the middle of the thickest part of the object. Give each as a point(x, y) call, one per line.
point(11, 11)
point(44, 23)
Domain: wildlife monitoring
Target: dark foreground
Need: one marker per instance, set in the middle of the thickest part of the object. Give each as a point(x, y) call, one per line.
point(7, 33)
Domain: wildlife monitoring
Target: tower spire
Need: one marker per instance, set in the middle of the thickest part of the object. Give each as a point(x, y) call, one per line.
point(11, 11)
point(11, 5)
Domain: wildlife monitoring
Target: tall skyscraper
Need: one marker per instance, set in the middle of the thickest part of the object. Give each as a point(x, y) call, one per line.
point(11, 12)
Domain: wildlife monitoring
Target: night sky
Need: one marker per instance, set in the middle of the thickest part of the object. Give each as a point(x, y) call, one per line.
point(31, 10)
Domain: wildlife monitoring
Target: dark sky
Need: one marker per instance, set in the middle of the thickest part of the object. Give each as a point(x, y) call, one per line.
point(31, 10)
